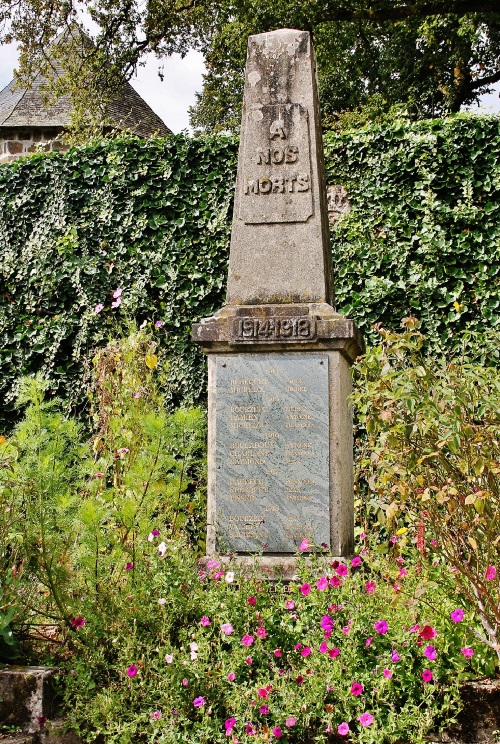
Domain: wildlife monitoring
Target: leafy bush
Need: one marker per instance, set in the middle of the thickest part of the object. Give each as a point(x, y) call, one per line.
point(432, 460)
point(153, 219)
point(202, 654)
point(74, 508)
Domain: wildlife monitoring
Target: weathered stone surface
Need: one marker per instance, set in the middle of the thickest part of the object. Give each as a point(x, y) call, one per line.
point(55, 732)
point(338, 203)
point(279, 244)
point(26, 693)
point(272, 452)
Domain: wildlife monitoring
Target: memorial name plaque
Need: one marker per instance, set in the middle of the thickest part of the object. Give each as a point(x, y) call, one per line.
point(272, 452)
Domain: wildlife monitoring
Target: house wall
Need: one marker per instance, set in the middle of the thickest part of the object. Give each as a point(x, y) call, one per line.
point(14, 143)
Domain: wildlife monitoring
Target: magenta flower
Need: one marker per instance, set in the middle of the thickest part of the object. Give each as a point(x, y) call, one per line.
point(305, 651)
point(427, 675)
point(304, 545)
point(369, 641)
point(231, 676)
point(343, 729)
point(327, 622)
point(227, 629)
point(356, 561)
point(252, 600)
point(277, 653)
point(342, 570)
point(356, 689)
point(335, 581)
point(427, 632)
point(132, 670)
point(263, 692)
point(370, 587)
point(99, 475)
point(323, 649)
point(322, 583)
point(457, 615)
point(333, 653)
point(291, 721)
point(402, 572)
point(184, 682)
point(394, 655)
point(159, 323)
point(261, 632)
point(297, 647)
point(491, 572)
point(430, 652)
point(381, 627)
point(229, 723)
point(205, 621)
point(199, 702)
point(290, 604)
point(129, 566)
point(212, 563)
point(264, 710)
point(305, 589)
point(277, 732)
point(468, 652)
point(247, 640)
point(387, 673)
point(366, 719)
point(78, 622)
point(156, 715)
point(248, 660)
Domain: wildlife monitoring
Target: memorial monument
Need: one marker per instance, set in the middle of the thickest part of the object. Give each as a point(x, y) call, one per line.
point(279, 356)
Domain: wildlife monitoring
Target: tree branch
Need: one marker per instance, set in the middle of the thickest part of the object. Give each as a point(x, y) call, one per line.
point(403, 12)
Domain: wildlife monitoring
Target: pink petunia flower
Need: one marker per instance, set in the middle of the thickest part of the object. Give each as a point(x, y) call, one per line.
point(394, 655)
point(158, 323)
point(323, 649)
point(227, 629)
point(290, 721)
point(457, 615)
point(252, 600)
point(199, 702)
point(117, 293)
point(342, 570)
point(78, 622)
point(184, 682)
point(277, 653)
point(343, 729)
point(229, 723)
point(132, 670)
point(261, 632)
point(156, 715)
point(129, 566)
point(381, 627)
point(327, 622)
point(387, 673)
point(468, 652)
point(205, 621)
point(264, 710)
point(366, 719)
point(305, 589)
point(333, 653)
point(247, 640)
point(290, 604)
point(356, 689)
point(231, 676)
point(322, 583)
point(304, 545)
point(427, 633)
point(430, 652)
point(305, 651)
point(263, 692)
point(169, 658)
point(427, 675)
point(98, 307)
point(334, 581)
point(369, 641)
point(117, 302)
point(491, 572)
point(277, 732)
point(248, 660)
point(370, 587)
point(356, 561)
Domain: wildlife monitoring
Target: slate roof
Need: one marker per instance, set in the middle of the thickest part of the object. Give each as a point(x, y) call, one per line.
point(26, 108)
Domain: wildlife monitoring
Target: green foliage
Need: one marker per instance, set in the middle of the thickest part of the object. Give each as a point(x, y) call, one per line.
point(257, 653)
point(432, 459)
point(423, 234)
point(149, 217)
point(153, 219)
point(75, 508)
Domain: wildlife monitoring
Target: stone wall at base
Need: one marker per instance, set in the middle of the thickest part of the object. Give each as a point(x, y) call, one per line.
point(14, 143)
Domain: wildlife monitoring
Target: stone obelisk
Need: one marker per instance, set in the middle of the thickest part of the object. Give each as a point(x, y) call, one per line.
point(280, 428)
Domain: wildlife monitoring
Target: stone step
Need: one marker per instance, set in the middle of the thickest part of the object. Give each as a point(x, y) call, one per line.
point(26, 695)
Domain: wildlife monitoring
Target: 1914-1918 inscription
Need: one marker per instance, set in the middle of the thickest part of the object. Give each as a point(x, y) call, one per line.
point(272, 452)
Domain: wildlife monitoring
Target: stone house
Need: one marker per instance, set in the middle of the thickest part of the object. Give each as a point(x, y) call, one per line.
point(28, 124)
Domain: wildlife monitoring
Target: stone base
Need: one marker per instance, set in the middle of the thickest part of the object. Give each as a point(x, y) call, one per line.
point(26, 694)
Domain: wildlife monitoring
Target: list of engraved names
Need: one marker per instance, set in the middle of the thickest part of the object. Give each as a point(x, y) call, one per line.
point(272, 452)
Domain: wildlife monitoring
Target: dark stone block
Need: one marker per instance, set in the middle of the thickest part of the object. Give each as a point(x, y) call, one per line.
point(15, 148)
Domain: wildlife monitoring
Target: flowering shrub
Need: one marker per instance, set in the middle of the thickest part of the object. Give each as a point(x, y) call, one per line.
point(201, 653)
point(432, 462)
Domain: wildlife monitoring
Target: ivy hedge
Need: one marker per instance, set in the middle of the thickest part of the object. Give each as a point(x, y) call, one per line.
point(152, 218)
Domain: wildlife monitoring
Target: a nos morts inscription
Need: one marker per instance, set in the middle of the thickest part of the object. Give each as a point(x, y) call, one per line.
point(272, 452)
point(276, 169)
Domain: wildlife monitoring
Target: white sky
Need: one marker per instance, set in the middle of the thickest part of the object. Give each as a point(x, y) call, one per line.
point(171, 98)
